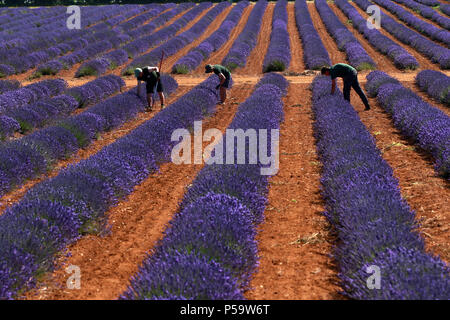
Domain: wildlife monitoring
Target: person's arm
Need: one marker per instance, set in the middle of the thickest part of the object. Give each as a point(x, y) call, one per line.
point(333, 85)
point(153, 69)
point(222, 79)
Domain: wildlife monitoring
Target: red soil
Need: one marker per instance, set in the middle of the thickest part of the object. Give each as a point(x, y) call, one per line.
point(107, 263)
point(170, 61)
point(382, 61)
point(255, 60)
point(217, 56)
point(297, 64)
point(424, 62)
point(336, 56)
point(294, 241)
point(426, 193)
point(103, 140)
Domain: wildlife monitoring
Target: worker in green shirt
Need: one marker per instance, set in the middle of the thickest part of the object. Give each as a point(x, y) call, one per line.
point(350, 77)
point(224, 77)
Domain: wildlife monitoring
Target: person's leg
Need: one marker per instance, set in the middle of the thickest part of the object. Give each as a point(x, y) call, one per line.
point(361, 94)
point(223, 94)
point(160, 90)
point(150, 92)
point(149, 101)
point(223, 90)
point(347, 87)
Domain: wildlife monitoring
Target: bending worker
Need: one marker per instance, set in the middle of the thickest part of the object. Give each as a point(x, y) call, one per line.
point(350, 77)
point(151, 77)
point(224, 76)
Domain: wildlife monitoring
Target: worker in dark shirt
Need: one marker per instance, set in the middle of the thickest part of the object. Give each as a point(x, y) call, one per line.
point(224, 77)
point(152, 79)
point(350, 77)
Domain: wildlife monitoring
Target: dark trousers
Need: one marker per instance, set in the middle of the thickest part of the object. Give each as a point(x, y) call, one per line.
point(352, 82)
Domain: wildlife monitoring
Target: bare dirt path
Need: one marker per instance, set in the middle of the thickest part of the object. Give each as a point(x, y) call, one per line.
point(215, 24)
point(217, 56)
point(424, 62)
point(107, 263)
point(336, 55)
point(294, 241)
point(426, 193)
point(255, 60)
point(382, 61)
point(103, 140)
point(297, 64)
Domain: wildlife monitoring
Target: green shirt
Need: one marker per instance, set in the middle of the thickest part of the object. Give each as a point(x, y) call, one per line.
point(342, 70)
point(218, 69)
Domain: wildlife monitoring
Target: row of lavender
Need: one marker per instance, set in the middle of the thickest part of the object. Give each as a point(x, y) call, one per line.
point(13, 99)
point(244, 44)
point(427, 12)
point(314, 53)
point(278, 55)
point(30, 50)
point(345, 40)
point(130, 48)
point(59, 211)
point(411, 20)
point(50, 105)
point(176, 42)
point(37, 152)
point(374, 224)
point(209, 250)
point(402, 59)
point(415, 118)
point(203, 51)
point(105, 40)
point(436, 84)
point(430, 49)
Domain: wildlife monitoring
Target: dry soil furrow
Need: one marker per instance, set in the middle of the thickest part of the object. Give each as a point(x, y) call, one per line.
point(217, 56)
point(426, 193)
point(336, 55)
point(294, 241)
point(424, 62)
point(255, 60)
point(297, 64)
point(103, 140)
point(107, 263)
point(382, 61)
point(215, 24)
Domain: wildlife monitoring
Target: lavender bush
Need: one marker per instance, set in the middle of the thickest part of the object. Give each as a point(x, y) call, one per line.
point(278, 54)
point(374, 224)
point(31, 93)
point(209, 249)
point(436, 84)
point(415, 118)
point(200, 53)
point(8, 85)
point(426, 12)
point(176, 42)
point(411, 20)
point(314, 53)
point(81, 194)
point(247, 39)
point(402, 59)
point(34, 154)
point(345, 40)
point(430, 49)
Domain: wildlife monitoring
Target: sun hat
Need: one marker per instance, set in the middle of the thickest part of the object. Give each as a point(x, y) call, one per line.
point(208, 68)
